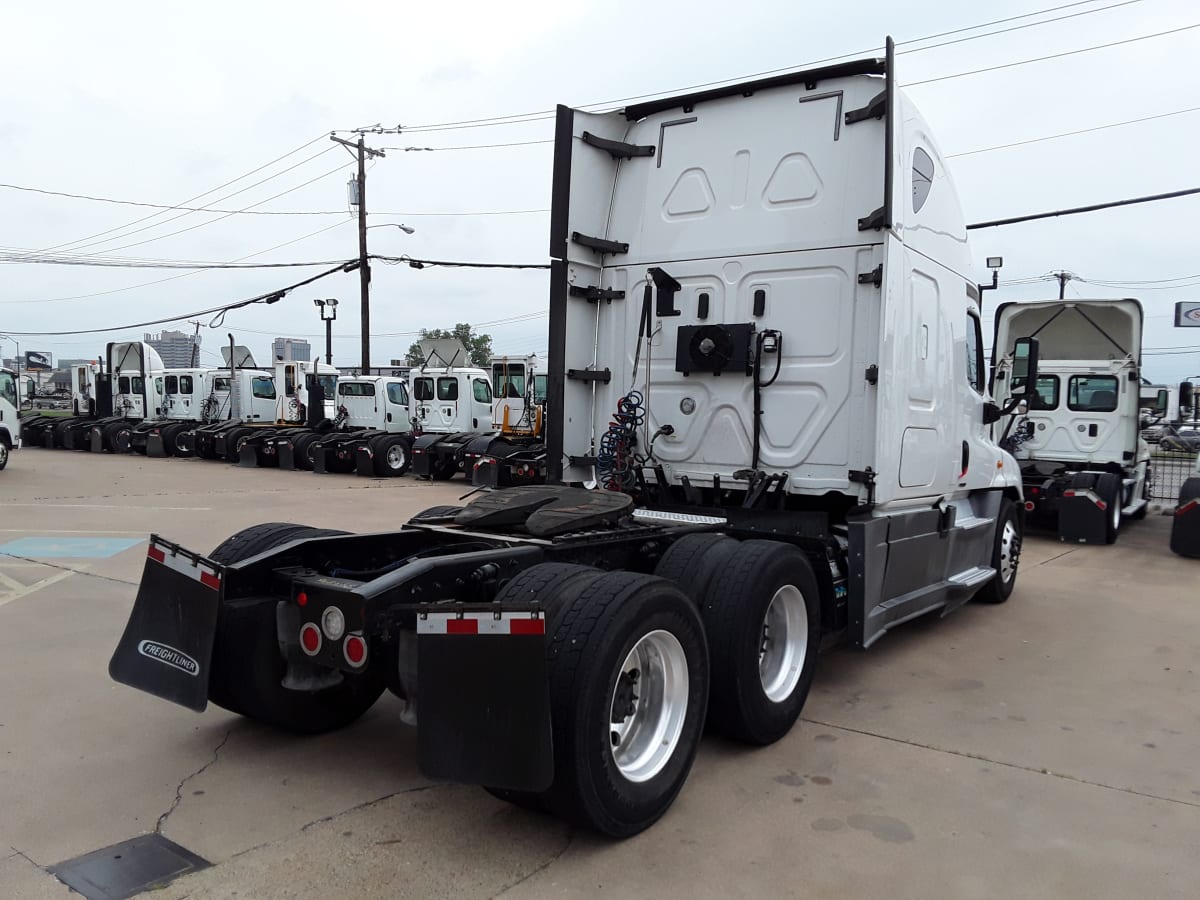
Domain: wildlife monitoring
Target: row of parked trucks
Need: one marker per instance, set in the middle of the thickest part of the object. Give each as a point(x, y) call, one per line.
point(442, 418)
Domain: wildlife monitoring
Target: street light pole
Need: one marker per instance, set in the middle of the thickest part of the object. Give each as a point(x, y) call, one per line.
point(328, 314)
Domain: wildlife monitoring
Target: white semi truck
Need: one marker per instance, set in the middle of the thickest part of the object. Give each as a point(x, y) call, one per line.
point(768, 431)
point(10, 418)
point(1083, 461)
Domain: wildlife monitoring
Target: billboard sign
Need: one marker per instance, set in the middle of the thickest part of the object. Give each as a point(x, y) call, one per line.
point(1187, 314)
point(38, 361)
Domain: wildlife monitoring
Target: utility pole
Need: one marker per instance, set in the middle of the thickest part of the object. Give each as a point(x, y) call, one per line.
point(1063, 278)
point(195, 344)
point(361, 151)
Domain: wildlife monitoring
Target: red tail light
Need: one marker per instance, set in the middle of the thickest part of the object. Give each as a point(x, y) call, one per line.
point(355, 650)
point(310, 639)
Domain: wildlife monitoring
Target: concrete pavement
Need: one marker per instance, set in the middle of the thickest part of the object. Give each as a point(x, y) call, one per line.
point(1043, 748)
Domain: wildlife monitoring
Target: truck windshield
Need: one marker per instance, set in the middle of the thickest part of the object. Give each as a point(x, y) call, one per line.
point(328, 384)
point(1092, 393)
point(508, 380)
point(8, 388)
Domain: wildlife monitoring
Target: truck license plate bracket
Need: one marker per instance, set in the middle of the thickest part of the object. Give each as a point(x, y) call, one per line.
point(483, 715)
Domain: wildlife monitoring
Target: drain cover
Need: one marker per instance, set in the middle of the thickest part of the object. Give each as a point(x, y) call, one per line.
point(127, 868)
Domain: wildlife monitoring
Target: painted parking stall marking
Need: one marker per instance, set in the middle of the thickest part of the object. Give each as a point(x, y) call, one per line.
point(481, 623)
point(59, 547)
point(205, 574)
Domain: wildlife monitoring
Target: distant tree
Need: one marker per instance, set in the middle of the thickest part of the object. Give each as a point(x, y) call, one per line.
point(479, 346)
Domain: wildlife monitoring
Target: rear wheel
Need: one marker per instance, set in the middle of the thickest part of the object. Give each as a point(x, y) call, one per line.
point(443, 466)
point(1110, 489)
point(1006, 554)
point(117, 437)
point(3, 452)
point(247, 666)
point(233, 439)
point(762, 614)
point(629, 679)
point(300, 446)
point(693, 560)
point(392, 455)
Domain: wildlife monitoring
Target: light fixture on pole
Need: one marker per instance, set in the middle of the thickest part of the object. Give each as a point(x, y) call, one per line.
point(328, 308)
point(407, 229)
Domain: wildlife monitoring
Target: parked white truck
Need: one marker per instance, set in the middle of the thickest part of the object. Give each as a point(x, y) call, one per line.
point(765, 344)
point(1083, 461)
point(10, 418)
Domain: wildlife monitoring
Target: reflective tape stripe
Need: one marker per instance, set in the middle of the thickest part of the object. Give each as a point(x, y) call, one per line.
point(206, 575)
point(481, 623)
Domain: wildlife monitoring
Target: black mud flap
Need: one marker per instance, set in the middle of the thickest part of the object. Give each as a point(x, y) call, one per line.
point(285, 453)
point(154, 445)
point(486, 472)
point(96, 439)
point(483, 715)
point(423, 455)
point(1082, 517)
point(1185, 528)
point(318, 458)
point(248, 456)
point(167, 645)
point(364, 462)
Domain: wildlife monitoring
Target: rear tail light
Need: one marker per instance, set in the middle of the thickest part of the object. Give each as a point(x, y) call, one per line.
point(1187, 507)
point(310, 639)
point(1029, 506)
point(355, 650)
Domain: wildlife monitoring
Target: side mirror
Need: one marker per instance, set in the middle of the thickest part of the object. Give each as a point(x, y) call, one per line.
point(1025, 365)
point(1185, 393)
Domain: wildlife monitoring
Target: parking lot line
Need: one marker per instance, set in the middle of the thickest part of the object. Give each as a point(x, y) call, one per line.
point(36, 586)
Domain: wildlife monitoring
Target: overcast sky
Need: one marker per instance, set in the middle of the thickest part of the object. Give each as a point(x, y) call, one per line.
point(142, 101)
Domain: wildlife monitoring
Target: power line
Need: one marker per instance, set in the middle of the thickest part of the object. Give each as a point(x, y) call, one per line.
point(469, 146)
point(1052, 137)
point(540, 115)
point(1025, 62)
point(165, 206)
point(143, 284)
point(218, 311)
point(195, 198)
point(424, 263)
point(158, 264)
point(78, 245)
point(1152, 198)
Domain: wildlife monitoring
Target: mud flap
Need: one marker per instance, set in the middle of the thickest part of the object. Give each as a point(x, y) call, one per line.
point(483, 714)
point(96, 440)
point(287, 456)
point(422, 455)
point(1082, 517)
point(166, 649)
point(1185, 528)
point(248, 456)
point(154, 445)
point(486, 472)
point(364, 462)
point(318, 457)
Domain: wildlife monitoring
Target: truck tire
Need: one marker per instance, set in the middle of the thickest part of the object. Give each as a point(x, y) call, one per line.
point(1145, 508)
point(1006, 554)
point(554, 586)
point(437, 512)
point(620, 777)
point(762, 613)
point(443, 467)
point(1109, 487)
point(117, 437)
point(232, 438)
point(693, 560)
point(4, 449)
point(300, 445)
point(392, 455)
point(247, 667)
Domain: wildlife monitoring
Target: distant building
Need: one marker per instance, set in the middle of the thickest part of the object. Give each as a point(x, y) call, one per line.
point(291, 350)
point(175, 348)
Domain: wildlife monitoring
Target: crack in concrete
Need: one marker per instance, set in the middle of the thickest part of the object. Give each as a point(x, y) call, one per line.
point(25, 856)
point(62, 568)
point(542, 868)
point(162, 820)
point(1045, 562)
point(999, 762)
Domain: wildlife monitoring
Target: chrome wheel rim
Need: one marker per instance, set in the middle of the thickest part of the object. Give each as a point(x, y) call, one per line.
point(648, 705)
point(3, 453)
point(784, 643)
point(1010, 551)
point(396, 457)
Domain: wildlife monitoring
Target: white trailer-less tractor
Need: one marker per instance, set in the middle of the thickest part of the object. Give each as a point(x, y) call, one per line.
point(451, 408)
point(10, 419)
point(373, 413)
point(765, 337)
point(1083, 461)
point(136, 384)
point(514, 452)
